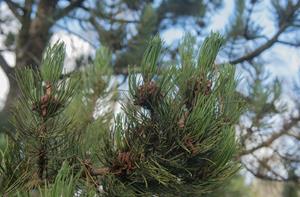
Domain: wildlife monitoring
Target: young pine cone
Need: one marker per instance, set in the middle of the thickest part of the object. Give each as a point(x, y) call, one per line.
point(47, 104)
point(195, 87)
point(148, 95)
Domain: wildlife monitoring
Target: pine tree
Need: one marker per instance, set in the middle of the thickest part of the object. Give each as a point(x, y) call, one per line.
point(53, 120)
point(175, 136)
point(43, 137)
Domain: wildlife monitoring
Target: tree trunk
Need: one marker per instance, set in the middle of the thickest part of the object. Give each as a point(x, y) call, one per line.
point(34, 35)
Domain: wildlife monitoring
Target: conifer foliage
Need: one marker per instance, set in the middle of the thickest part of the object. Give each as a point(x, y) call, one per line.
point(175, 136)
point(43, 135)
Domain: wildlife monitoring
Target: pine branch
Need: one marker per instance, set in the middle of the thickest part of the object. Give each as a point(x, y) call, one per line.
point(41, 132)
point(170, 126)
point(249, 14)
point(177, 131)
point(76, 34)
point(287, 22)
point(258, 51)
point(65, 11)
point(261, 175)
point(289, 43)
point(274, 177)
point(267, 143)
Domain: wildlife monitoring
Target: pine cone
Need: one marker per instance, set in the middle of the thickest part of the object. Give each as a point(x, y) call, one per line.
point(124, 164)
point(194, 88)
point(148, 95)
point(48, 103)
point(182, 121)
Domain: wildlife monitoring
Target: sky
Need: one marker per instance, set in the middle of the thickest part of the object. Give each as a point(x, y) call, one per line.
point(283, 61)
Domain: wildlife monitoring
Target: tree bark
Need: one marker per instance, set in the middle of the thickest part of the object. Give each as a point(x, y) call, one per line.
point(34, 35)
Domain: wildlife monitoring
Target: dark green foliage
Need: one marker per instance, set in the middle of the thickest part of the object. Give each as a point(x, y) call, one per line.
point(43, 137)
point(247, 40)
point(177, 134)
point(136, 46)
point(53, 120)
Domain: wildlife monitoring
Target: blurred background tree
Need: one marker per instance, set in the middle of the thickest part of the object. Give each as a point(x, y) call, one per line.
point(268, 132)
